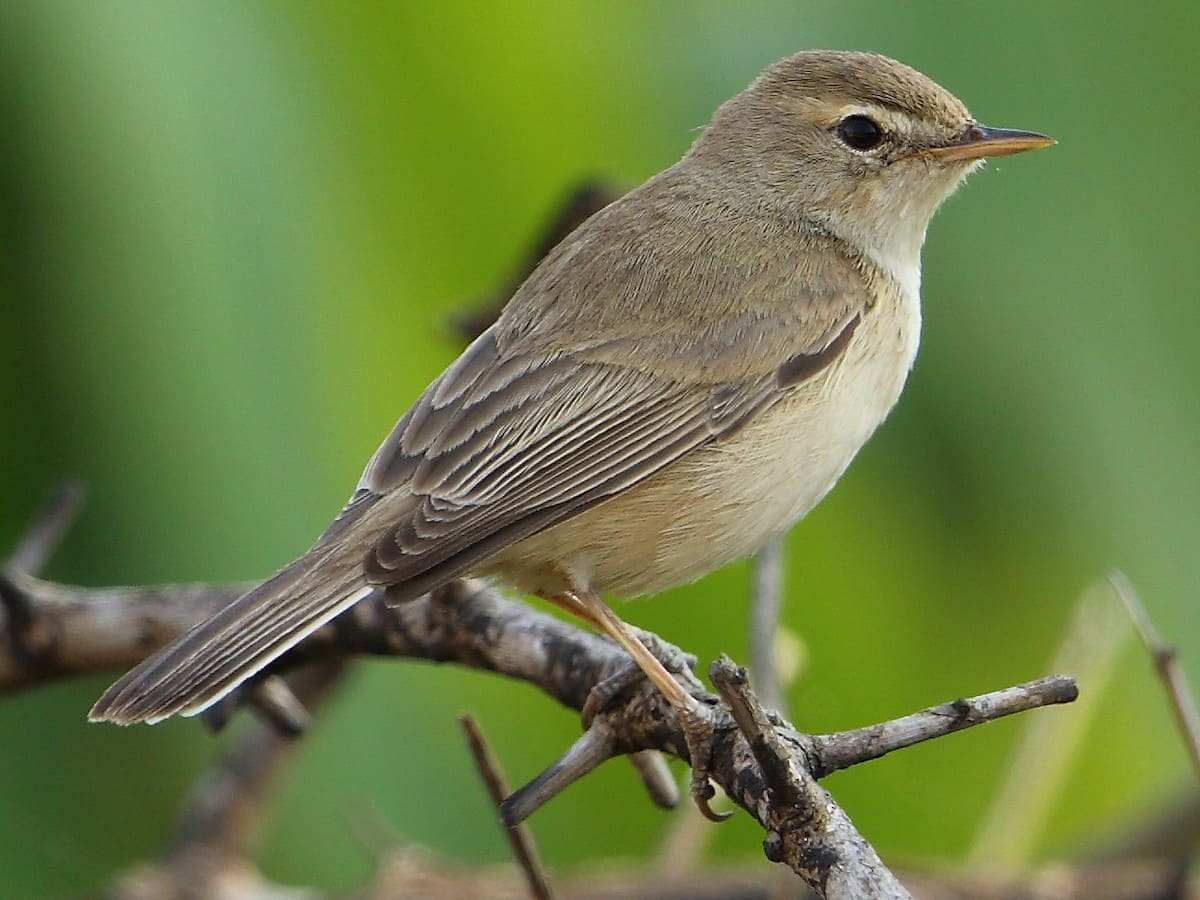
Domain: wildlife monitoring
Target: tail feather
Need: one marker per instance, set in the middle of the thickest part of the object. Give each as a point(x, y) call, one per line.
point(202, 666)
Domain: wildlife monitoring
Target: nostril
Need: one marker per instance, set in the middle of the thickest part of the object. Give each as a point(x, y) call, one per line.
point(972, 134)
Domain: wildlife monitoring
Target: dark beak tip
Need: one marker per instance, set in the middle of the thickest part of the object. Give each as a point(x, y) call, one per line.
point(980, 141)
point(978, 133)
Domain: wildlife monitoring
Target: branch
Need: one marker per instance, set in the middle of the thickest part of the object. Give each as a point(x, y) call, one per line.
point(805, 827)
point(832, 752)
point(470, 624)
point(84, 630)
point(29, 638)
point(47, 528)
point(766, 606)
point(520, 840)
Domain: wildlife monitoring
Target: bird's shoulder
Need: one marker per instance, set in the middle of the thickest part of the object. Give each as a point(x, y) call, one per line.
point(685, 277)
point(672, 302)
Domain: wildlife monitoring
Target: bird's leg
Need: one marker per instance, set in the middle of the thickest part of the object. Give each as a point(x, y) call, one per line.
point(587, 605)
point(602, 694)
point(605, 692)
point(573, 606)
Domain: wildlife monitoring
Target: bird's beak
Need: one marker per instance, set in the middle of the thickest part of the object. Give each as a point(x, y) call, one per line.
point(979, 141)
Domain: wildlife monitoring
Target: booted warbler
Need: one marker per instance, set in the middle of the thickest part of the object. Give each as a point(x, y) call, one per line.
point(682, 378)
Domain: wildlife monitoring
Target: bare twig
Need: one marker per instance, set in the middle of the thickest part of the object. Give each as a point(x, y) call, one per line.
point(848, 748)
point(47, 528)
point(31, 634)
point(766, 602)
point(805, 827)
point(1166, 663)
point(519, 837)
point(96, 630)
point(274, 699)
point(594, 747)
point(466, 623)
point(656, 778)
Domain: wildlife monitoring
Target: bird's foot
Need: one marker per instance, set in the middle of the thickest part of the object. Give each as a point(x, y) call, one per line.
point(698, 732)
point(605, 693)
point(693, 718)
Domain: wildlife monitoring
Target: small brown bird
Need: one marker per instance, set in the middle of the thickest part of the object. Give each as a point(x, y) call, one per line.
point(681, 379)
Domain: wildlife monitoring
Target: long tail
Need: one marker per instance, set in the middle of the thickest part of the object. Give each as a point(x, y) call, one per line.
point(203, 665)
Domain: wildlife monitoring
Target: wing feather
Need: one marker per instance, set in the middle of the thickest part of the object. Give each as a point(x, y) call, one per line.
point(529, 463)
point(527, 429)
point(621, 353)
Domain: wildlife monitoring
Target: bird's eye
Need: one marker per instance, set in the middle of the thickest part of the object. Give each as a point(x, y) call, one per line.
point(860, 132)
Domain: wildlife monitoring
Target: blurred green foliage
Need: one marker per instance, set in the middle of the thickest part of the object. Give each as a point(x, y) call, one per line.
point(230, 236)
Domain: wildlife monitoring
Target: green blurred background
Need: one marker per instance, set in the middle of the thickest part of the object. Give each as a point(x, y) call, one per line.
point(231, 235)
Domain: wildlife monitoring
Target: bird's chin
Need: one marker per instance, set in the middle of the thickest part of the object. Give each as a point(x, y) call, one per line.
point(952, 174)
point(962, 169)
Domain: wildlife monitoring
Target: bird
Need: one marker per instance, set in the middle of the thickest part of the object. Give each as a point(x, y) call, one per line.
point(681, 379)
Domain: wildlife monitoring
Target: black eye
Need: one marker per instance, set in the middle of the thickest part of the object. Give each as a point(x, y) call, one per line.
point(860, 132)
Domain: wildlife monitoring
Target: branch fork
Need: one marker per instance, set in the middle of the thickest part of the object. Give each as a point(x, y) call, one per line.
point(763, 764)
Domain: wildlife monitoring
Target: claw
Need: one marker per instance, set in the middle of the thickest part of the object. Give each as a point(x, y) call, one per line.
point(702, 793)
point(601, 696)
point(698, 733)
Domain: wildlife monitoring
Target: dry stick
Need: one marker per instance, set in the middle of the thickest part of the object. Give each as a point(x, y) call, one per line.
point(657, 779)
point(520, 839)
point(100, 629)
point(766, 797)
point(766, 603)
point(803, 822)
point(828, 753)
point(45, 531)
point(465, 623)
point(275, 701)
point(843, 749)
point(594, 747)
point(472, 625)
point(1166, 663)
point(31, 638)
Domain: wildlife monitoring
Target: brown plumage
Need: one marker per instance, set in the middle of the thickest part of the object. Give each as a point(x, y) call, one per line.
point(680, 379)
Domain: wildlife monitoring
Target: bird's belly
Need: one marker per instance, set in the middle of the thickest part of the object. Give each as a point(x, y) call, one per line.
point(721, 501)
point(724, 501)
